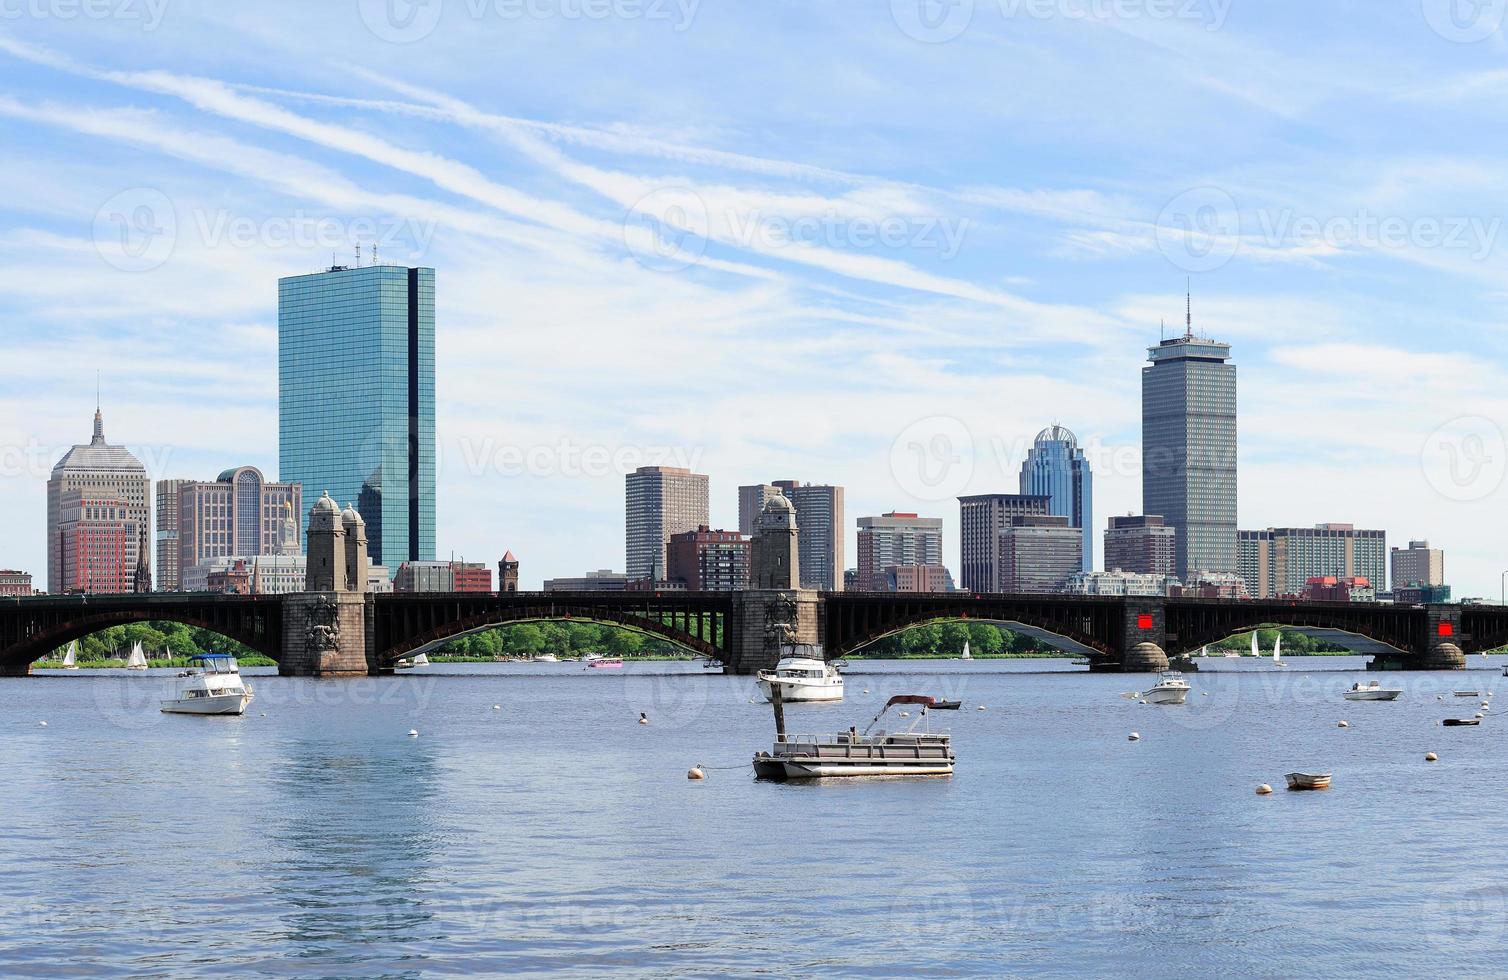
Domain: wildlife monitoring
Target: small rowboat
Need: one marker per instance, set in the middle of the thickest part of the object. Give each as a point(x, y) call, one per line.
point(1308, 780)
point(946, 705)
point(1468, 694)
point(1455, 722)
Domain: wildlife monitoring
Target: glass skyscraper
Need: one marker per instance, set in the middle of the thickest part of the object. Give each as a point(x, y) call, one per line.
point(1188, 431)
point(1055, 468)
point(356, 399)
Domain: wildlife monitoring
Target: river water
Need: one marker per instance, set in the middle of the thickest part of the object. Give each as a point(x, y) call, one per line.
point(554, 834)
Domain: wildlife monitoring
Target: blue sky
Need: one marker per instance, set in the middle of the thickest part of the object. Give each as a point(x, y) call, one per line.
point(879, 244)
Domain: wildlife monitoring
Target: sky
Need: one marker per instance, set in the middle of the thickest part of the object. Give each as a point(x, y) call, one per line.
point(879, 244)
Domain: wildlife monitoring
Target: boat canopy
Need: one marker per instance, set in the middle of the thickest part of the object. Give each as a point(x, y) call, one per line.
point(921, 699)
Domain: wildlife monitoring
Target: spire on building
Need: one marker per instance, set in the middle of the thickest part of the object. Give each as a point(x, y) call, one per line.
point(1188, 321)
point(99, 428)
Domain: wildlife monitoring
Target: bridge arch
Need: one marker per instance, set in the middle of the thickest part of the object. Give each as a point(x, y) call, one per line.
point(1079, 646)
point(253, 624)
point(404, 627)
point(1092, 628)
point(1192, 626)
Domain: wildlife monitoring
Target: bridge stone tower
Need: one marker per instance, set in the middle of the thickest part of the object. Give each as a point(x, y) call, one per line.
point(776, 612)
point(327, 628)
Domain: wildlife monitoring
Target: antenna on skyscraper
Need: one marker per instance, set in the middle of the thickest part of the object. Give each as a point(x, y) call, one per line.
point(374, 253)
point(358, 255)
point(1162, 330)
point(1188, 323)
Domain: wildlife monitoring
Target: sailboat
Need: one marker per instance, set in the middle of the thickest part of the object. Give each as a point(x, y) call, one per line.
point(70, 659)
point(421, 660)
point(966, 654)
point(1277, 649)
point(137, 660)
point(1256, 651)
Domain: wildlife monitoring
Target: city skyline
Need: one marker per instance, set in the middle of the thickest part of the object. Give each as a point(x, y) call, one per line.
point(544, 265)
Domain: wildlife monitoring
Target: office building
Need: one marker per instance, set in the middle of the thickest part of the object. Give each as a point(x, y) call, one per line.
point(981, 518)
point(1213, 585)
point(1119, 582)
point(169, 573)
point(1413, 595)
point(819, 521)
point(239, 513)
point(269, 574)
point(108, 478)
point(15, 584)
point(1417, 565)
point(751, 501)
point(602, 580)
point(709, 561)
point(896, 539)
point(1189, 450)
point(660, 501)
point(1279, 562)
point(1055, 468)
point(356, 399)
point(1039, 554)
point(442, 576)
point(1140, 543)
point(916, 578)
point(1328, 588)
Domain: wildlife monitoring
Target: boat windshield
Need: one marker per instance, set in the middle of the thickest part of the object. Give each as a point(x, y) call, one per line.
point(216, 664)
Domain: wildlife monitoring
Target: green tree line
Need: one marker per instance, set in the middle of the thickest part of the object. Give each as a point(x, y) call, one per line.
point(158, 640)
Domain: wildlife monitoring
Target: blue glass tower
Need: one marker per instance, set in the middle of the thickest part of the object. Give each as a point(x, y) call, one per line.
point(1055, 467)
point(356, 398)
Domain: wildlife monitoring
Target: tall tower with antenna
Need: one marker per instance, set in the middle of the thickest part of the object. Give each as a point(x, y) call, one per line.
point(1189, 448)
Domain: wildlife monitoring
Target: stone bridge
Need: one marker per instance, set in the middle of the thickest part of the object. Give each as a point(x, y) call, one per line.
point(336, 633)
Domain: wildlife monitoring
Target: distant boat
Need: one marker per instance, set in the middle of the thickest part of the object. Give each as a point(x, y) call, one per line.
point(421, 660)
point(966, 654)
point(1308, 780)
point(547, 658)
point(1256, 649)
point(1459, 722)
point(137, 660)
point(1277, 648)
point(1373, 691)
point(70, 658)
point(1171, 689)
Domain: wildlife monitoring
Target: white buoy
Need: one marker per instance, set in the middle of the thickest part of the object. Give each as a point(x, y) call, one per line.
point(981, 707)
point(866, 690)
point(1478, 714)
point(905, 714)
point(497, 707)
point(1134, 737)
point(1264, 790)
point(42, 724)
point(643, 718)
point(413, 733)
point(1344, 724)
point(695, 772)
point(1431, 757)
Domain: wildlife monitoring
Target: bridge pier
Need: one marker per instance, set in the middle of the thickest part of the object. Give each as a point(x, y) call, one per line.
point(15, 670)
point(752, 643)
point(1144, 636)
point(327, 634)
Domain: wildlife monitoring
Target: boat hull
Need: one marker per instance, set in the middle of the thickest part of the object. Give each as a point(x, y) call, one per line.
point(793, 690)
point(1307, 780)
point(219, 704)
point(790, 770)
point(1372, 695)
point(1166, 695)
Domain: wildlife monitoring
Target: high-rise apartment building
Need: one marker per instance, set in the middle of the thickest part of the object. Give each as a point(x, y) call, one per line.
point(751, 501)
point(819, 522)
point(1417, 565)
point(1189, 449)
point(356, 398)
point(169, 575)
point(1039, 554)
point(660, 501)
point(1056, 468)
point(708, 560)
point(106, 477)
point(1281, 561)
point(896, 539)
point(980, 519)
point(1140, 543)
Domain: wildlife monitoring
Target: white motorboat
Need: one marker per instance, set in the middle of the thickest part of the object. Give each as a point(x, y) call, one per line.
point(853, 753)
point(137, 660)
point(211, 686)
point(802, 678)
point(547, 658)
point(1373, 691)
point(70, 659)
point(1171, 689)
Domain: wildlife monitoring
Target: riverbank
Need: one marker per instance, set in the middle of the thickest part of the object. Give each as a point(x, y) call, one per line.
point(255, 660)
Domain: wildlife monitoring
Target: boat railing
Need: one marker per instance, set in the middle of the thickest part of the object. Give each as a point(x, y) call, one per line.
point(874, 738)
